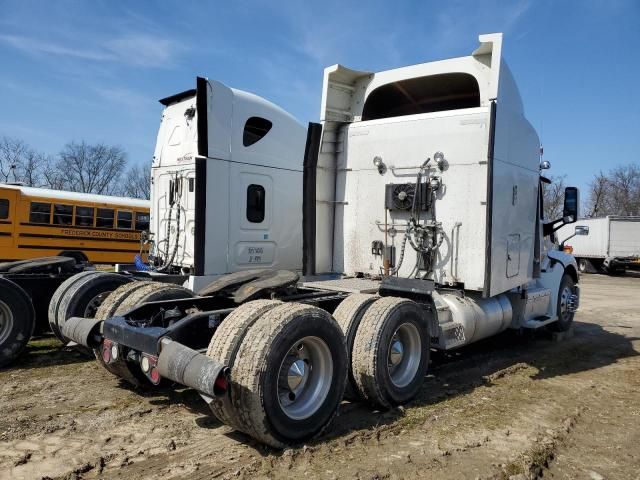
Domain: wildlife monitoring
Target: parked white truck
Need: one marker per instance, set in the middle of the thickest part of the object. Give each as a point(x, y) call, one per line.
point(421, 227)
point(610, 244)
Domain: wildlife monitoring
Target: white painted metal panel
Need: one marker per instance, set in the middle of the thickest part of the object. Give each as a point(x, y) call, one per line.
point(404, 143)
point(275, 161)
point(515, 194)
point(611, 236)
point(624, 237)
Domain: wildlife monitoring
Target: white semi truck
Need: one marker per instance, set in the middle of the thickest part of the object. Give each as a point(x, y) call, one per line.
point(421, 215)
point(610, 244)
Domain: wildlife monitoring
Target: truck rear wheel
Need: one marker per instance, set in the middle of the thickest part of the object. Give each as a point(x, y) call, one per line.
point(348, 315)
point(289, 375)
point(17, 321)
point(85, 295)
point(120, 302)
point(391, 352)
point(54, 303)
point(584, 266)
point(225, 344)
point(563, 308)
point(111, 304)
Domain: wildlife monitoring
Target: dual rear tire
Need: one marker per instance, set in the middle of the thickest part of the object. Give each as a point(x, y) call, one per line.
point(81, 296)
point(287, 371)
point(288, 360)
point(388, 340)
point(122, 300)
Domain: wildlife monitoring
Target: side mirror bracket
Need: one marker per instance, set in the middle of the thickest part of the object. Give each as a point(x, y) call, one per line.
point(569, 211)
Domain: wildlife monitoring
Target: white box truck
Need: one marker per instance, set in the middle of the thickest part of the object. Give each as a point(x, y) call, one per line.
point(610, 244)
point(422, 227)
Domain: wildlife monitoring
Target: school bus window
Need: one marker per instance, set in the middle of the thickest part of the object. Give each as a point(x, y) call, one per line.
point(62, 214)
point(142, 221)
point(104, 218)
point(125, 219)
point(84, 216)
point(4, 209)
point(39, 212)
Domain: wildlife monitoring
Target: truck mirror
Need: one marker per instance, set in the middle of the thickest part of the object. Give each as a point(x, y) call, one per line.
point(582, 230)
point(545, 165)
point(570, 210)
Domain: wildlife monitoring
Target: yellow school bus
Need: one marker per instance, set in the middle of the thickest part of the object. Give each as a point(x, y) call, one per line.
point(37, 222)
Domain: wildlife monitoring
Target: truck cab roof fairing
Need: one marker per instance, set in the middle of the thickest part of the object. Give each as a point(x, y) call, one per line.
point(346, 91)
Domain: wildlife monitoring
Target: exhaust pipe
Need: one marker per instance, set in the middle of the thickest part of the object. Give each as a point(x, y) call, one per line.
point(192, 369)
point(83, 331)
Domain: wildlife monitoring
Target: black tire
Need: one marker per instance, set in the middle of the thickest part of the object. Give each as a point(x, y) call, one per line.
point(125, 299)
point(348, 315)
point(565, 318)
point(110, 306)
point(155, 291)
point(584, 265)
point(268, 343)
point(388, 320)
point(54, 303)
point(17, 321)
point(84, 296)
point(225, 344)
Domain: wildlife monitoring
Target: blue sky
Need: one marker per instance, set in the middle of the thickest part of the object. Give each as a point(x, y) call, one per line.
point(94, 70)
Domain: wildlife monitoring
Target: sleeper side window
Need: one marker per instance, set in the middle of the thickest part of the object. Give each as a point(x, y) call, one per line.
point(62, 214)
point(104, 218)
point(4, 208)
point(255, 129)
point(39, 212)
point(255, 203)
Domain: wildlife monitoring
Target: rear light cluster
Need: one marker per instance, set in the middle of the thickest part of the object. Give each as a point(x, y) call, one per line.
point(149, 366)
point(110, 351)
point(568, 249)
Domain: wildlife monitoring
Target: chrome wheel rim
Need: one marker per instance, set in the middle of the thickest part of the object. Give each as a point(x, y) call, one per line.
point(304, 378)
point(6, 321)
point(404, 355)
point(565, 296)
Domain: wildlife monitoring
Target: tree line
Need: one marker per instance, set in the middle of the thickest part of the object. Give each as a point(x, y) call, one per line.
point(78, 167)
point(614, 192)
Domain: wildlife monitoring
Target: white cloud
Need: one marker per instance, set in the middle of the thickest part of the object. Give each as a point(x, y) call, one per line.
point(33, 46)
point(136, 49)
point(144, 50)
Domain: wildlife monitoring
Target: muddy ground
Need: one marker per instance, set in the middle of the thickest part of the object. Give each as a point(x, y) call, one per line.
point(512, 406)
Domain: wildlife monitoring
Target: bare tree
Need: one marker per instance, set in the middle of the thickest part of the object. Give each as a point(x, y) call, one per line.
point(553, 197)
point(137, 183)
point(92, 168)
point(12, 152)
point(52, 177)
point(598, 188)
point(615, 193)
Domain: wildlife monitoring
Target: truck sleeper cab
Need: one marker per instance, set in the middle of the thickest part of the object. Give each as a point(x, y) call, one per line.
point(422, 228)
point(227, 163)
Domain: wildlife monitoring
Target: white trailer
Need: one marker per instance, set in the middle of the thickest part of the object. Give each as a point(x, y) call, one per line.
point(610, 243)
point(422, 227)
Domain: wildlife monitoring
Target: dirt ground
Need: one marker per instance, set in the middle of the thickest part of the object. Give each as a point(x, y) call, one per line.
point(516, 406)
